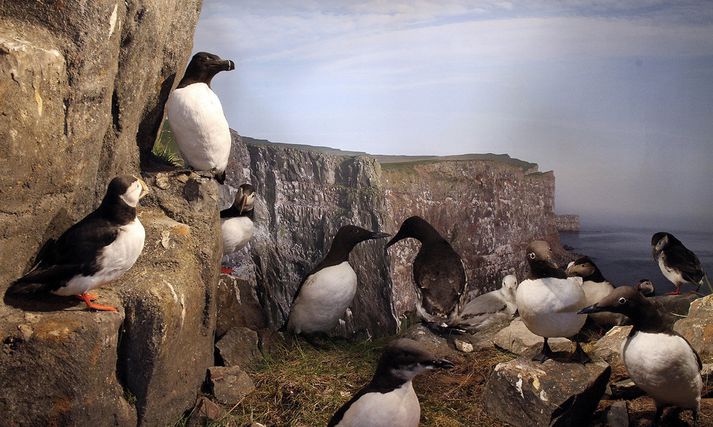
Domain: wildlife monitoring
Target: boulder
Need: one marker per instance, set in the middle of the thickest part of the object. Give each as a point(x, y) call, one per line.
point(229, 384)
point(618, 415)
point(526, 393)
point(697, 328)
point(517, 339)
point(624, 389)
point(239, 347)
point(608, 348)
point(238, 305)
point(204, 413)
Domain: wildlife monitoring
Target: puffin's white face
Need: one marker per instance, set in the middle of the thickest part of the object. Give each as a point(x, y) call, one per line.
point(137, 190)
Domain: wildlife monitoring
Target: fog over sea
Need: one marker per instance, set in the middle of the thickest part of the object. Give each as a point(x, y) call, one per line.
point(624, 254)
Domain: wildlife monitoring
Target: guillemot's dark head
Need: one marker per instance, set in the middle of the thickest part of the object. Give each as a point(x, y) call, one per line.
point(542, 264)
point(126, 189)
point(585, 268)
point(417, 228)
point(404, 358)
point(203, 67)
point(350, 235)
point(624, 299)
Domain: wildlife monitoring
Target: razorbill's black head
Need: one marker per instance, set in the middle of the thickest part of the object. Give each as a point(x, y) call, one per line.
point(542, 264)
point(389, 399)
point(646, 287)
point(585, 268)
point(677, 263)
point(95, 251)
point(439, 274)
point(243, 204)
point(203, 67)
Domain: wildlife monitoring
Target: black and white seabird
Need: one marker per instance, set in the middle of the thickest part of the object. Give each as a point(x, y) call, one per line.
point(328, 290)
point(677, 263)
point(389, 399)
point(660, 361)
point(595, 287)
point(236, 222)
point(196, 116)
point(93, 252)
point(548, 301)
point(491, 307)
point(439, 274)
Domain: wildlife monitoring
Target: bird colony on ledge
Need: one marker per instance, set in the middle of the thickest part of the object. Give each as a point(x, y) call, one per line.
point(552, 302)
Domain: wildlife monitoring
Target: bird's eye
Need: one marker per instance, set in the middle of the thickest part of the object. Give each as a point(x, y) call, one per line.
point(622, 301)
point(531, 255)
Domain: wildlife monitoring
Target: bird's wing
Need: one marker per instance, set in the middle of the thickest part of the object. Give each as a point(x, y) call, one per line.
point(686, 262)
point(82, 243)
point(487, 303)
point(441, 277)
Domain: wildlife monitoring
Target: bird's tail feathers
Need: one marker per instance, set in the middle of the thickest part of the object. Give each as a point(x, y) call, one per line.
point(42, 279)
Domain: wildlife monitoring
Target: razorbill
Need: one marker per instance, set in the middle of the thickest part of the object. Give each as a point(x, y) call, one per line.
point(236, 222)
point(548, 301)
point(196, 116)
point(93, 252)
point(487, 309)
point(439, 274)
point(595, 287)
point(389, 399)
point(660, 361)
point(646, 287)
point(677, 263)
point(328, 290)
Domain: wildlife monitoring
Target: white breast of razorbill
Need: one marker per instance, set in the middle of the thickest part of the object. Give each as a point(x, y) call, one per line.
point(665, 367)
point(323, 299)
point(199, 126)
point(398, 407)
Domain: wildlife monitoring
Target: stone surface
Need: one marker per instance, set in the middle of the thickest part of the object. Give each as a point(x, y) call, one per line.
point(697, 328)
point(516, 338)
point(526, 393)
point(608, 348)
point(624, 389)
point(238, 305)
point(204, 413)
point(676, 304)
point(618, 415)
point(464, 346)
point(229, 384)
point(238, 347)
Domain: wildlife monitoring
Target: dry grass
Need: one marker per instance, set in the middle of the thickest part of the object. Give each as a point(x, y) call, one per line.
point(303, 386)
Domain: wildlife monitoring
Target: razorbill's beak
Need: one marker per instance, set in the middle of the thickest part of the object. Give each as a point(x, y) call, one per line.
point(229, 65)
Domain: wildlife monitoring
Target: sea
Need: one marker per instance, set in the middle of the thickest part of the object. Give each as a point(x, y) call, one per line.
point(624, 254)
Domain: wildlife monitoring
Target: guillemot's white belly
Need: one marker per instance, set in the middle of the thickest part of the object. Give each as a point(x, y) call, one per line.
point(549, 306)
point(593, 293)
point(115, 259)
point(236, 232)
point(397, 408)
point(199, 127)
point(323, 299)
point(665, 367)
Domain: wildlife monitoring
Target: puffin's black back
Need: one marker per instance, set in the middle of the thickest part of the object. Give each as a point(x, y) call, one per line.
point(679, 257)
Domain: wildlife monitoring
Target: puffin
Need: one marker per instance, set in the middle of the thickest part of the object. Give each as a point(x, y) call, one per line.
point(196, 117)
point(548, 301)
point(660, 361)
point(236, 222)
point(93, 252)
point(389, 399)
point(595, 287)
point(487, 309)
point(439, 274)
point(646, 287)
point(328, 290)
point(677, 263)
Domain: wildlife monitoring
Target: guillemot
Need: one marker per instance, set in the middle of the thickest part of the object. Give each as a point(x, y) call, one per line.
point(328, 290)
point(549, 300)
point(389, 400)
point(595, 287)
point(196, 116)
point(439, 273)
point(677, 263)
point(660, 361)
point(93, 252)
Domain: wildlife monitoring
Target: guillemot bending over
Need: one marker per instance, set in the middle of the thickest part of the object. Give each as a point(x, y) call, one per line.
point(677, 263)
point(595, 287)
point(93, 252)
point(328, 290)
point(660, 361)
point(389, 399)
point(236, 222)
point(548, 301)
point(196, 116)
point(439, 274)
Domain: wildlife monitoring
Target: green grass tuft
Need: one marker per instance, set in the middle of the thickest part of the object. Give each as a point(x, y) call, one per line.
point(165, 148)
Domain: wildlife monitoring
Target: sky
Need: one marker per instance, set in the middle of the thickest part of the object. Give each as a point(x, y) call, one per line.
point(616, 97)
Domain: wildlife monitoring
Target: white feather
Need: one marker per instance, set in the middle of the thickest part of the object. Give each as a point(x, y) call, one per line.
point(236, 232)
point(199, 127)
point(549, 306)
point(323, 299)
point(674, 276)
point(397, 408)
point(593, 293)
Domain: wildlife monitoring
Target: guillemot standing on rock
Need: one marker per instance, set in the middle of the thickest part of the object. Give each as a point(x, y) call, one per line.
point(196, 116)
point(439, 274)
point(389, 399)
point(595, 287)
point(660, 361)
point(677, 263)
point(328, 290)
point(548, 301)
point(93, 252)
point(486, 309)
point(236, 222)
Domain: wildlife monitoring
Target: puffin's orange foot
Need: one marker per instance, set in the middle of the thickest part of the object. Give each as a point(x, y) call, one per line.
point(676, 292)
point(87, 298)
point(226, 270)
